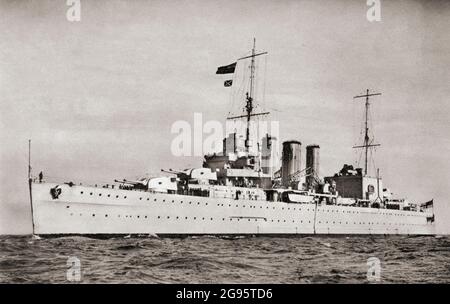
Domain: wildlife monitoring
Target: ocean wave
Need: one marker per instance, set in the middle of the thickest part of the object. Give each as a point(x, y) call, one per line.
point(211, 259)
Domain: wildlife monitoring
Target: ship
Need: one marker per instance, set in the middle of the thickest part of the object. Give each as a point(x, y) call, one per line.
point(238, 191)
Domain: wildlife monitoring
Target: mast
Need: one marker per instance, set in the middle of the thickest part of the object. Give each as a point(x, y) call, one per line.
point(367, 144)
point(29, 159)
point(250, 96)
point(30, 182)
point(249, 105)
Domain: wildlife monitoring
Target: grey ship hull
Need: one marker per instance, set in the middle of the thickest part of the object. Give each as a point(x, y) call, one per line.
point(99, 211)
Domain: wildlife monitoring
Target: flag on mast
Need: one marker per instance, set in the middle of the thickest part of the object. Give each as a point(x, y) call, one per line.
point(226, 69)
point(428, 204)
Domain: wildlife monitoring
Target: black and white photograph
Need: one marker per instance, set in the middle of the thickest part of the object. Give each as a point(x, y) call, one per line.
point(224, 142)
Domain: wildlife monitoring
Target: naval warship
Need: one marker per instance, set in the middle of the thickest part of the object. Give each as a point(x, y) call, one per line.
point(235, 192)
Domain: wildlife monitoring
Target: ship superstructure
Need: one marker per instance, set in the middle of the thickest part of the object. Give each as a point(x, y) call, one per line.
point(236, 191)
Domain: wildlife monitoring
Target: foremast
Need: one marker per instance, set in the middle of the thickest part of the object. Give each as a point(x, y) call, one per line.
point(249, 107)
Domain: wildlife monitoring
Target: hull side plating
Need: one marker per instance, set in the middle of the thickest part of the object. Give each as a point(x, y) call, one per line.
point(91, 210)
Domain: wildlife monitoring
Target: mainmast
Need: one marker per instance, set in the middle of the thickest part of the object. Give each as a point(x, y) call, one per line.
point(250, 96)
point(367, 143)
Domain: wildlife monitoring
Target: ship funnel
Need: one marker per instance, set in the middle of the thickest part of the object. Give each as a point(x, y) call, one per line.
point(312, 165)
point(290, 161)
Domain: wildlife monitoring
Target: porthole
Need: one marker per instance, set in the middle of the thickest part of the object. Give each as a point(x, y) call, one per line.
point(93, 214)
point(91, 193)
point(81, 192)
point(117, 196)
point(99, 194)
point(106, 215)
point(109, 195)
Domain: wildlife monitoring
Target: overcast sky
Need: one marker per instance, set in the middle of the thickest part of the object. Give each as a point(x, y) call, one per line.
point(98, 97)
